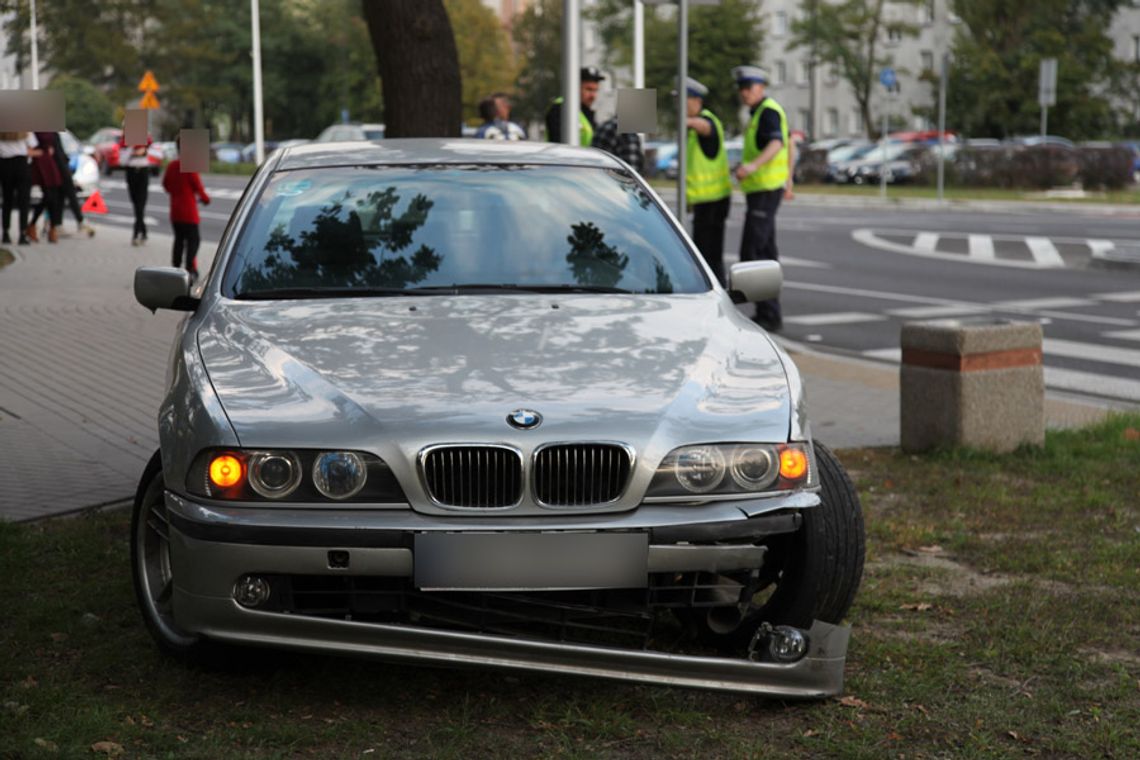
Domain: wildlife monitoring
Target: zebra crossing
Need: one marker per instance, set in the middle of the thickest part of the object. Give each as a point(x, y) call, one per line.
point(1021, 251)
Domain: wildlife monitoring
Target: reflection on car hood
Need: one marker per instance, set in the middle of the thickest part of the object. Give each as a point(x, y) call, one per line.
point(635, 368)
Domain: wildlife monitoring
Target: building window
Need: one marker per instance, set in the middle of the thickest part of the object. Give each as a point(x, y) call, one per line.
point(831, 129)
point(894, 35)
point(805, 119)
point(802, 75)
point(855, 122)
point(927, 61)
point(926, 13)
point(1136, 48)
point(832, 76)
point(781, 74)
point(780, 24)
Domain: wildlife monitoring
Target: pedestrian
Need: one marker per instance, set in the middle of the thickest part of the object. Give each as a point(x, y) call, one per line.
point(587, 94)
point(624, 145)
point(510, 129)
point(67, 191)
point(16, 181)
point(185, 188)
point(137, 165)
point(763, 175)
point(489, 129)
point(708, 185)
point(45, 173)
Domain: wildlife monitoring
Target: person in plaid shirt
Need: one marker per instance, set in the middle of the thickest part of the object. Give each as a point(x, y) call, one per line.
point(624, 145)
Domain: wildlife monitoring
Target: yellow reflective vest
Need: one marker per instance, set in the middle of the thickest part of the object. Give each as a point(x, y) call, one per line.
point(585, 128)
point(706, 179)
point(773, 174)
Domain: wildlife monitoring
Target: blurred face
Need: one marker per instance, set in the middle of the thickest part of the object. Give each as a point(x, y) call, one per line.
point(751, 93)
point(589, 93)
point(503, 108)
point(693, 105)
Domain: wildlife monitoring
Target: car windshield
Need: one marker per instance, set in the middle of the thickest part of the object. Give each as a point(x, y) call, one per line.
point(888, 152)
point(422, 229)
point(846, 152)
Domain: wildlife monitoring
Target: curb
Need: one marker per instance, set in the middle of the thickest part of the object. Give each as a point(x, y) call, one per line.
point(993, 207)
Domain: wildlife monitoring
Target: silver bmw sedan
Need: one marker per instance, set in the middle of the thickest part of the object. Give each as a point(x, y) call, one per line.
point(483, 403)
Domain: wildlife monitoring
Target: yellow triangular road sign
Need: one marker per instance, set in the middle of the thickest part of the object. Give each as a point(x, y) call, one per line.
point(148, 83)
point(148, 101)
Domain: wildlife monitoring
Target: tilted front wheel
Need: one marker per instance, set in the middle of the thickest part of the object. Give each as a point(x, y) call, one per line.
point(150, 565)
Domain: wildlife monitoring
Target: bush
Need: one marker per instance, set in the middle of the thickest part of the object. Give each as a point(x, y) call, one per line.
point(87, 108)
point(1015, 166)
point(1107, 167)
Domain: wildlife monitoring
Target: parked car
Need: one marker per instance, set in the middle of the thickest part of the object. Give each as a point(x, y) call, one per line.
point(84, 169)
point(226, 152)
point(351, 132)
point(461, 402)
point(105, 144)
point(1063, 142)
point(897, 160)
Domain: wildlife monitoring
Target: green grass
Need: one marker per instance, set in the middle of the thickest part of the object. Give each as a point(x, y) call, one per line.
point(244, 169)
point(999, 617)
point(6, 257)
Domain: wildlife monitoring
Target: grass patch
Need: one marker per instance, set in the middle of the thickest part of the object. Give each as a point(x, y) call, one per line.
point(243, 169)
point(6, 257)
point(999, 616)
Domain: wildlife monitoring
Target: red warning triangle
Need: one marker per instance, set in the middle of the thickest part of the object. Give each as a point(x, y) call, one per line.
point(95, 204)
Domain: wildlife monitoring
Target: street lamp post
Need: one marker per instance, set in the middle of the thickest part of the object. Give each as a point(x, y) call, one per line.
point(638, 44)
point(571, 63)
point(258, 110)
point(35, 51)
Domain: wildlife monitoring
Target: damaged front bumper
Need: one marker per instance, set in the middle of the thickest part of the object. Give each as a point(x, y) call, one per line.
point(206, 567)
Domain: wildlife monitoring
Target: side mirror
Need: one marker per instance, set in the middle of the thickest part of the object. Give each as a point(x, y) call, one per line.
point(164, 288)
point(756, 280)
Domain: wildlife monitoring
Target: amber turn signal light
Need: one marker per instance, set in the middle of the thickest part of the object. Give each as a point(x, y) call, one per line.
point(225, 471)
point(793, 464)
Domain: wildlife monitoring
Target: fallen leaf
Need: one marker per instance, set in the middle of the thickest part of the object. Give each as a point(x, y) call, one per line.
point(894, 736)
point(146, 721)
point(111, 749)
point(58, 637)
point(932, 549)
point(1131, 434)
point(917, 606)
point(30, 682)
point(888, 484)
point(182, 739)
point(46, 744)
point(809, 733)
point(129, 720)
point(850, 701)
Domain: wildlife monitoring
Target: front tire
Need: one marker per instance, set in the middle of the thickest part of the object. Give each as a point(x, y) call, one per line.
point(151, 567)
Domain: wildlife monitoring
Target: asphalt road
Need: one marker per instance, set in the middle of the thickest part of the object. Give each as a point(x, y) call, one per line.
point(853, 275)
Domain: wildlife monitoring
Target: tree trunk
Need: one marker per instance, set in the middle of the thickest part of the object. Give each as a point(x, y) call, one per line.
point(419, 67)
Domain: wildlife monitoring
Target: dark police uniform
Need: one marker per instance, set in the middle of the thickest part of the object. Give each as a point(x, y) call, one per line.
point(586, 121)
point(764, 188)
point(708, 188)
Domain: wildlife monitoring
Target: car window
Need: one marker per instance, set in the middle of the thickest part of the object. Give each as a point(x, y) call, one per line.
point(440, 226)
point(373, 134)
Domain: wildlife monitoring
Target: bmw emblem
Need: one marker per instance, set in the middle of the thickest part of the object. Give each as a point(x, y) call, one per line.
point(524, 419)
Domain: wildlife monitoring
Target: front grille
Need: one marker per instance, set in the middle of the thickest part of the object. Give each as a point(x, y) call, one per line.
point(580, 474)
point(478, 477)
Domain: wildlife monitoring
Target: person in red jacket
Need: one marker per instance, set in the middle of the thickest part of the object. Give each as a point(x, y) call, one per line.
point(185, 189)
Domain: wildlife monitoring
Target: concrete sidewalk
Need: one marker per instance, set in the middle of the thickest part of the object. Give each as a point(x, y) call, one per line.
point(83, 367)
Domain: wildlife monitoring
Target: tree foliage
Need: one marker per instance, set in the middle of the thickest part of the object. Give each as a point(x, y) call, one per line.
point(87, 107)
point(720, 37)
point(537, 34)
point(849, 35)
point(486, 61)
point(997, 53)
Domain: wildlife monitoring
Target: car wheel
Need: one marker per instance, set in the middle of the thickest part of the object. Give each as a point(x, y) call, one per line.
point(808, 575)
point(151, 567)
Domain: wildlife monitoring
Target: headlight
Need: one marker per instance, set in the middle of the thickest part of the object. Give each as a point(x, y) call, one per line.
point(733, 469)
point(295, 476)
point(339, 474)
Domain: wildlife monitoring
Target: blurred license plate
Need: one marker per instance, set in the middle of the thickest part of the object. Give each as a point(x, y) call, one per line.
point(530, 561)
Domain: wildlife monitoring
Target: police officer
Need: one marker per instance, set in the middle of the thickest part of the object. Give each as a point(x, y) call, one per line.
point(708, 188)
point(763, 175)
point(589, 76)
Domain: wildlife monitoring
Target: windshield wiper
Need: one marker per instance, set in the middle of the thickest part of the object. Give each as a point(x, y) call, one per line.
point(486, 287)
point(291, 293)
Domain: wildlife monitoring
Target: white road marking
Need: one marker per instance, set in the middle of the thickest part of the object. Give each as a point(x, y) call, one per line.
point(1123, 334)
point(834, 318)
point(927, 241)
point(938, 312)
point(1039, 304)
point(1128, 297)
point(794, 261)
point(1087, 382)
point(155, 187)
point(123, 219)
point(1128, 357)
point(870, 239)
point(1044, 252)
point(981, 248)
point(884, 296)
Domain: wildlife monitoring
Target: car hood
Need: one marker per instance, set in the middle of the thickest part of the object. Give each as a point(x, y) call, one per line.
point(651, 371)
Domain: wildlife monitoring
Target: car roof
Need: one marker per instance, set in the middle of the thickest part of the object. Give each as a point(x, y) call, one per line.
point(449, 150)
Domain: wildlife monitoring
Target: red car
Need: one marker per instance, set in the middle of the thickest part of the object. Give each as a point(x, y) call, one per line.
point(106, 145)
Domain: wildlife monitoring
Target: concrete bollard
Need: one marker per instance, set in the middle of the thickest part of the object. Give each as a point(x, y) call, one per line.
point(975, 383)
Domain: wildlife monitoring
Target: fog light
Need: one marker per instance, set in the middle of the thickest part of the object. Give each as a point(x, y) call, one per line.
point(786, 644)
point(251, 591)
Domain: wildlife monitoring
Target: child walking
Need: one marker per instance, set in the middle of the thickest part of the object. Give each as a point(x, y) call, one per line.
point(185, 188)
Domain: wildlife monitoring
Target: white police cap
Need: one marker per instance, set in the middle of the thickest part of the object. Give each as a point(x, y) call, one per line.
point(750, 74)
point(695, 89)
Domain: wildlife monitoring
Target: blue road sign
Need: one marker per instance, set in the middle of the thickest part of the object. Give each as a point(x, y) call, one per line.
point(887, 78)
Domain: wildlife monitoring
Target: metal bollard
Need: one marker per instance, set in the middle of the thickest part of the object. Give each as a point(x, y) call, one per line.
point(974, 382)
